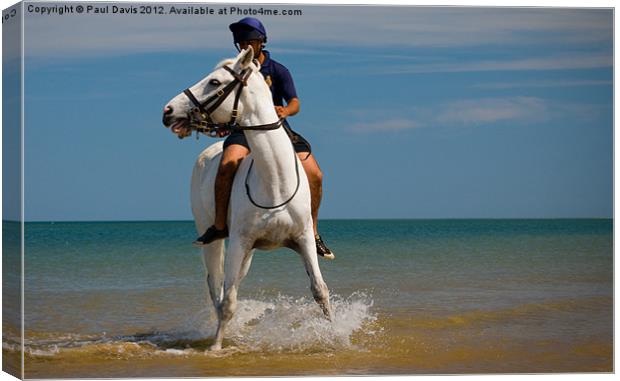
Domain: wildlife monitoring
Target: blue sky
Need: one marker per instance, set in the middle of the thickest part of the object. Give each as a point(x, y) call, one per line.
point(413, 112)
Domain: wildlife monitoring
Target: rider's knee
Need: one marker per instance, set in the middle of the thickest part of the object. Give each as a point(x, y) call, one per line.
point(229, 164)
point(228, 167)
point(317, 175)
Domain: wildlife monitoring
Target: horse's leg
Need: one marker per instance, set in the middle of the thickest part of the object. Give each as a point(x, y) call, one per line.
point(213, 256)
point(239, 262)
point(245, 265)
point(307, 250)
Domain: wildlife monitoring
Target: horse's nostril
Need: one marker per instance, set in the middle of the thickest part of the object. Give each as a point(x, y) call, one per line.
point(167, 116)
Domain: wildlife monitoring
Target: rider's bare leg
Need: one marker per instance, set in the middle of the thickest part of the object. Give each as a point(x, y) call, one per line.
point(315, 180)
point(231, 158)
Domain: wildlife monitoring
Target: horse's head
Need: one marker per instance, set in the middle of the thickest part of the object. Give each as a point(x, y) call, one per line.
point(178, 113)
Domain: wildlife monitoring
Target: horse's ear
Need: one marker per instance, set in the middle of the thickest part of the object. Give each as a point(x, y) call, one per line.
point(244, 59)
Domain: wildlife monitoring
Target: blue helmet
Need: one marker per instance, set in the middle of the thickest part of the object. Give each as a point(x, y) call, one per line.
point(247, 29)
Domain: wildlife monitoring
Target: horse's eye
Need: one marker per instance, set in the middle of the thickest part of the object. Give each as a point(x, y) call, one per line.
point(214, 82)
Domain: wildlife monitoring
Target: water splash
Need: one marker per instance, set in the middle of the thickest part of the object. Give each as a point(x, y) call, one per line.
point(264, 324)
point(290, 324)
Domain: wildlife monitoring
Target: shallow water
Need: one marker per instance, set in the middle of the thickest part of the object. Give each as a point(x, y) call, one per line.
point(410, 296)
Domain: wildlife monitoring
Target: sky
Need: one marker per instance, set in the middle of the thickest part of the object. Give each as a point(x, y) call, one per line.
point(412, 112)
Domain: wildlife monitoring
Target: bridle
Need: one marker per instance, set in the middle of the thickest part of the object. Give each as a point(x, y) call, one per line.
point(200, 117)
point(201, 122)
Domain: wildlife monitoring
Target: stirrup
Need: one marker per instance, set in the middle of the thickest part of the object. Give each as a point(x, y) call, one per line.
point(211, 235)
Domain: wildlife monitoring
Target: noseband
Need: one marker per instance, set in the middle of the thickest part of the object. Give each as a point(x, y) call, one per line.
point(201, 120)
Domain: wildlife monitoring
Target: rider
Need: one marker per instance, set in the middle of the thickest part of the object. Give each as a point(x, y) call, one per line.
point(251, 32)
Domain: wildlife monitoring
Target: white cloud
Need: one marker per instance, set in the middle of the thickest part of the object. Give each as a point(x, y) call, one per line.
point(543, 84)
point(492, 110)
point(386, 125)
point(537, 63)
point(465, 113)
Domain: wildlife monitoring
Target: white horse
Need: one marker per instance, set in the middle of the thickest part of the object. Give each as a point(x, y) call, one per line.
point(275, 175)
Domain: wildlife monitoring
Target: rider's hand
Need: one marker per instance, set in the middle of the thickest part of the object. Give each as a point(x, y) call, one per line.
point(282, 112)
point(223, 132)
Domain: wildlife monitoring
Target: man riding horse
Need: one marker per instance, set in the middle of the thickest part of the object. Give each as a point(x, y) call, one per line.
point(251, 32)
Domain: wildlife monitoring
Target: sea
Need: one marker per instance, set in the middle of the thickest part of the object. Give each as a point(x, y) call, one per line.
point(129, 299)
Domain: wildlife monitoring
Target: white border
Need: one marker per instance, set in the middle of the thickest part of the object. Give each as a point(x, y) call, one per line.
point(478, 3)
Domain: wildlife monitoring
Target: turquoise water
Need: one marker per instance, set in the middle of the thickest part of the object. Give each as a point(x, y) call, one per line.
point(523, 279)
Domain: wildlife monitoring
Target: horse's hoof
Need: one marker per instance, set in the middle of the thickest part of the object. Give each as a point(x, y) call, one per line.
point(215, 347)
point(329, 256)
point(328, 314)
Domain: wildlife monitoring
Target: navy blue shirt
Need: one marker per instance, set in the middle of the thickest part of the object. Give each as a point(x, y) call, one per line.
point(279, 80)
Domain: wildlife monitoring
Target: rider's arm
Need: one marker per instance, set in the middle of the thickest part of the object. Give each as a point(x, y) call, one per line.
point(291, 108)
point(287, 88)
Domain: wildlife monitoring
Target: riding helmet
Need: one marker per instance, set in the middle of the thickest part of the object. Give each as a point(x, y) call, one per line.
point(248, 28)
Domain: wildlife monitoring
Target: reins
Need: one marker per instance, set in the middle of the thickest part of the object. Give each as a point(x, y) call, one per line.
point(247, 186)
point(201, 122)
